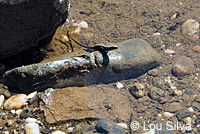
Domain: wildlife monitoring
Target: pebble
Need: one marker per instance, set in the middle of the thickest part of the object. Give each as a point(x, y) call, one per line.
point(2, 66)
point(15, 102)
point(105, 126)
point(156, 93)
point(70, 129)
point(167, 114)
point(31, 95)
point(137, 90)
point(172, 107)
point(32, 128)
point(26, 113)
point(123, 125)
point(189, 92)
point(169, 51)
point(183, 66)
point(46, 131)
point(178, 92)
point(83, 24)
point(19, 111)
point(153, 72)
point(58, 132)
point(196, 48)
point(181, 114)
point(1, 100)
point(119, 85)
point(188, 120)
point(31, 120)
point(191, 28)
point(6, 93)
point(190, 109)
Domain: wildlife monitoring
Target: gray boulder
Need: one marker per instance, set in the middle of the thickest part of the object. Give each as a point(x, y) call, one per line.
point(24, 22)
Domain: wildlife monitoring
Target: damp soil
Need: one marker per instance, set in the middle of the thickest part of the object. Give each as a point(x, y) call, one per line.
point(113, 21)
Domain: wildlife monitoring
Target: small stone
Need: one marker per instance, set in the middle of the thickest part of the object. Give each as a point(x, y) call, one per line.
point(183, 66)
point(137, 90)
point(32, 100)
point(178, 92)
point(169, 51)
point(19, 111)
point(172, 107)
point(25, 113)
point(156, 34)
point(32, 128)
point(167, 114)
point(188, 120)
point(189, 92)
point(1, 100)
point(83, 24)
point(31, 120)
point(105, 126)
point(58, 132)
point(160, 115)
point(181, 114)
point(190, 109)
point(2, 66)
point(31, 95)
point(196, 48)
point(156, 93)
point(178, 44)
point(196, 105)
point(13, 111)
point(119, 85)
point(15, 102)
point(70, 129)
point(153, 72)
point(191, 28)
point(46, 131)
point(6, 93)
point(123, 125)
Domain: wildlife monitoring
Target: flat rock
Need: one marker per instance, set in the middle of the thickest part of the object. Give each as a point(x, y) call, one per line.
point(133, 58)
point(85, 102)
point(172, 107)
point(105, 126)
point(183, 66)
point(24, 22)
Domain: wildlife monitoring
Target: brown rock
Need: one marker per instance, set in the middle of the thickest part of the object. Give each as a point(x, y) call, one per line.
point(85, 102)
point(183, 66)
point(172, 107)
point(24, 22)
point(137, 90)
point(196, 48)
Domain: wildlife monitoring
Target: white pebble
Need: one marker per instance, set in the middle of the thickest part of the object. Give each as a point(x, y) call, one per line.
point(119, 85)
point(31, 120)
point(83, 24)
point(123, 125)
point(156, 34)
point(58, 132)
point(160, 115)
point(31, 95)
point(13, 111)
point(190, 109)
point(172, 86)
point(32, 128)
point(19, 111)
point(169, 51)
point(15, 102)
point(167, 114)
point(1, 100)
point(178, 92)
point(70, 129)
point(178, 44)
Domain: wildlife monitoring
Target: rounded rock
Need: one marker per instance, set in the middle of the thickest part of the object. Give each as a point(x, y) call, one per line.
point(31, 120)
point(58, 132)
point(1, 100)
point(137, 90)
point(188, 120)
point(32, 128)
point(167, 114)
point(15, 102)
point(183, 66)
point(191, 28)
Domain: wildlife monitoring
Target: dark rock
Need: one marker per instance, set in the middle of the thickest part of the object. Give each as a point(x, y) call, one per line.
point(46, 131)
point(189, 92)
point(183, 113)
point(133, 57)
point(172, 107)
point(183, 66)
point(26, 113)
point(196, 105)
point(156, 93)
point(88, 128)
point(24, 22)
point(32, 100)
point(105, 126)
